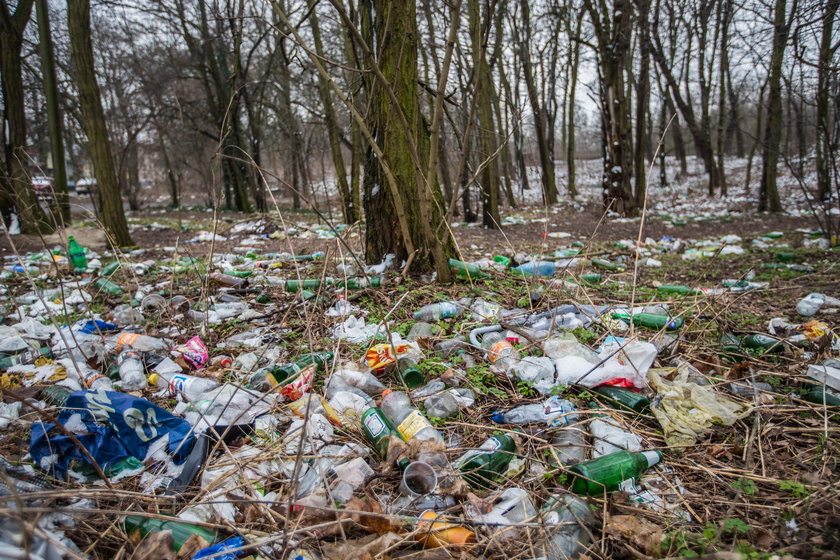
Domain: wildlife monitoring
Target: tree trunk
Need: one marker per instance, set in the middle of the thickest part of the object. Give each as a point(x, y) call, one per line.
point(548, 179)
point(53, 110)
point(642, 102)
point(396, 188)
point(823, 140)
point(172, 178)
point(768, 195)
point(725, 10)
point(16, 184)
point(571, 170)
point(759, 126)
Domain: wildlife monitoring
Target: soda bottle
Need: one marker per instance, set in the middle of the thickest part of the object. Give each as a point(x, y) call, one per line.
point(466, 271)
point(604, 264)
point(410, 423)
point(181, 531)
point(138, 342)
point(76, 255)
point(443, 310)
point(480, 466)
point(55, 395)
point(377, 429)
point(500, 352)
point(605, 474)
point(221, 279)
point(763, 342)
point(97, 381)
point(573, 520)
point(570, 444)
point(132, 371)
point(409, 372)
point(360, 283)
point(677, 290)
point(189, 386)
point(108, 287)
point(307, 284)
point(537, 268)
point(110, 269)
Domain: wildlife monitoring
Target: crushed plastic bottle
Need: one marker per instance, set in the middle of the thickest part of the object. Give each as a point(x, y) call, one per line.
point(190, 386)
point(573, 521)
point(132, 371)
point(444, 310)
point(410, 422)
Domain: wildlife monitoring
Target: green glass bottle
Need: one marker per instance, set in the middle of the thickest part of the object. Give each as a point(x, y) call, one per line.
point(480, 466)
point(239, 273)
point(108, 287)
point(110, 269)
point(650, 320)
point(619, 397)
point(307, 284)
point(676, 290)
point(76, 255)
point(786, 257)
point(55, 395)
point(25, 357)
point(604, 264)
point(262, 298)
point(377, 429)
point(605, 474)
point(465, 271)
point(260, 381)
point(818, 395)
point(763, 342)
point(360, 283)
point(409, 372)
point(591, 278)
point(181, 531)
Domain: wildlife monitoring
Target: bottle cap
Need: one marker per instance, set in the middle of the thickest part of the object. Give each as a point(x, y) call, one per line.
point(498, 417)
point(70, 238)
point(653, 457)
point(153, 379)
point(386, 392)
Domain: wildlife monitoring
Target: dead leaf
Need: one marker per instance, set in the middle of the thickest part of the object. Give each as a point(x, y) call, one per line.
point(157, 546)
point(191, 546)
point(642, 534)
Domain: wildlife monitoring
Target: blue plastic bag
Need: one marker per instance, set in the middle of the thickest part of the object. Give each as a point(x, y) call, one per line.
point(224, 546)
point(117, 426)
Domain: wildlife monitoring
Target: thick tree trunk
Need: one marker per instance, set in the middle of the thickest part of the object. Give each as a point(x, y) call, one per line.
point(571, 170)
point(17, 185)
point(768, 195)
point(824, 146)
point(642, 102)
point(53, 111)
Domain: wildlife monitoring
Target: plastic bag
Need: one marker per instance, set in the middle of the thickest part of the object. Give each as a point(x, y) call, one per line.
point(687, 410)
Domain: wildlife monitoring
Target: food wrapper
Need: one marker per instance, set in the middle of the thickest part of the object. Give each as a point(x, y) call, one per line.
point(193, 351)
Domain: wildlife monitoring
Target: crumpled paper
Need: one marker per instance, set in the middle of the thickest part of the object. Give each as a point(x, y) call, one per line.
point(686, 410)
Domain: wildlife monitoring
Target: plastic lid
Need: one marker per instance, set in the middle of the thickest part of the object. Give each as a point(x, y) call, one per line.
point(386, 392)
point(153, 379)
point(653, 457)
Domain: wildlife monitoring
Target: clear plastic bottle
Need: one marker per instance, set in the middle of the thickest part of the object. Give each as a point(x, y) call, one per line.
point(442, 405)
point(554, 412)
point(570, 444)
point(363, 380)
point(500, 352)
point(138, 342)
point(189, 386)
point(443, 310)
point(410, 423)
point(132, 371)
point(573, 520)
point(96, 381)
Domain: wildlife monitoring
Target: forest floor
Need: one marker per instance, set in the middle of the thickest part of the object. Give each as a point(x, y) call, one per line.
point(762, 486)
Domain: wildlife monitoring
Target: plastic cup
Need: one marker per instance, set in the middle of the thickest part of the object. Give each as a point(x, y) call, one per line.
point(419, 479)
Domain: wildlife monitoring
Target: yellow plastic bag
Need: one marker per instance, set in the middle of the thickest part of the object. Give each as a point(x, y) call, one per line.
point(686, 410)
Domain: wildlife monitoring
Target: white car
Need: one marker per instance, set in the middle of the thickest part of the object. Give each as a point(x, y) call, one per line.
point(85, 186)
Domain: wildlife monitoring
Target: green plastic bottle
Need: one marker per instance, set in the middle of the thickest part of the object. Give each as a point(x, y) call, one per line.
point(480, 466)
point(786, 257)
point(605, 474)
point(619, 397)
point(502, 260)
point(307, 284)
point(465, 271)
point(76, 255)
point(677, 290)
point(409, 372)
point(604, 264)
point(650, 320)
point(239, 273)
point(377, 429)
point(763, 342)
point(109, 287)
point(591, 278)
point(181, 531)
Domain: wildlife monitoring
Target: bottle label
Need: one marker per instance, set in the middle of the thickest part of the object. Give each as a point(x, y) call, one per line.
point(499, 349)
point(447, 309)
point(178, 384)
point(380, 356)
point(413, 424)
point(374, 425)
point(91, 378)
point(126, 339)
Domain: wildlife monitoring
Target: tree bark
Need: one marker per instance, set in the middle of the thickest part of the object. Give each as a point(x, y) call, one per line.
point(824, 146)
point(53, 111)
point(642, 101)
point(768, 195)
point(17, 191)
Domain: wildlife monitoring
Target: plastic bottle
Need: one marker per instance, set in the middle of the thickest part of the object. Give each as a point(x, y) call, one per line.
point(573, 520)
point(570, 444)
point(363, 380)
point(480, 466)
point(810, 304)
point(96, 381)
point(360, 283)
point(409, 372)
point(267, 378)
point(553, 412)
point(678, 290)
point(604, 264)
point(537, 268)
point(55, 395)
point(110, 269)
point(763, 342)
point(444, 310)
point(442, 405)
point(181, 531)
point(76, 255)
point(189, 386)
point(410, 423)
point(624, 398)
point(422, 329)
point(500, 352)
point(222, 279)
point(466, 271)
point(605, 474)
point(132, 372)
point(138, 342)
point(650, 320)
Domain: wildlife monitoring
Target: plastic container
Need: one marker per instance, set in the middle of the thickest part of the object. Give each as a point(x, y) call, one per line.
point(537, 268)
point(443, 310)
point(572, 521)
point(96, 381)
point(76, 255)
point(466, 271)
point(410, 423)
point(189, 386)
point(132, 371)
point(650, 320)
